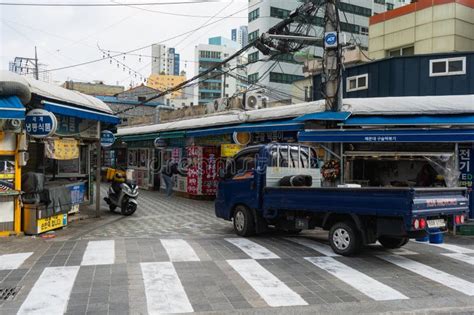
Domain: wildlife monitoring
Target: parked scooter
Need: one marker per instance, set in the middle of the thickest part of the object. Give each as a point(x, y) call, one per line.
point(123, 193)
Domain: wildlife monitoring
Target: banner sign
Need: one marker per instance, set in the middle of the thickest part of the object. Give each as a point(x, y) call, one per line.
point(62, 149)
point(466, 170)
point(73, 126)
point(40, 123)
point(107, 138)
point(230, 149)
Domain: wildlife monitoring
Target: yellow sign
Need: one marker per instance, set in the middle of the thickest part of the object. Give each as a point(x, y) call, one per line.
point(51, 223)
point(62, 149)
point(229, 150)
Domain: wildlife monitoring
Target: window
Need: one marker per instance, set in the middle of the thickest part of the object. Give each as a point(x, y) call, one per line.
point(284, 78)
point(253, 57)
point(364, 30)
point(404, 51)
point(358, 82)
point(379, 1)
point(389, 6)
point(279, 13)
point(252, 78)
point(448, 66)
point(253, 36)
point(253, 15)
point(355, 9)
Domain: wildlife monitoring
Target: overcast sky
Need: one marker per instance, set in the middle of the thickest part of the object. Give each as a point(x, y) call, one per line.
point(70, 35)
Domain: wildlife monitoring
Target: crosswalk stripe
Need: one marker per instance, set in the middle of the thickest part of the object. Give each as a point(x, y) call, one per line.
point(453, 248)
point(50, 294)
point(179, 250)
point(461, 257)
point(356, 279)
point(398, 251)
point(99, 253)
point(314, 245)
point(163, 289)
point(13, 261)
point(269, 287)
point(433, 274)
point(254, 250)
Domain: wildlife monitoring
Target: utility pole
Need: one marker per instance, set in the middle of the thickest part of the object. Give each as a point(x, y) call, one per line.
point(332, 58)
point(36, 65)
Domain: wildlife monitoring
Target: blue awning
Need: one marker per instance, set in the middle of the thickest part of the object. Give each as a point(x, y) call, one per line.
point(381, 136)
point(11, 108)
point(72, 111)
point(286, 125)
point(332, 116)
point(412, 120)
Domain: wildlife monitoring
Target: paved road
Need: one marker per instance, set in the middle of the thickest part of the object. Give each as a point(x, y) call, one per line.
point(174, 256)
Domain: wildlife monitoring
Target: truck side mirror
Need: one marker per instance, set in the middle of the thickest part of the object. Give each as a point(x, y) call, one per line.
point(222, 174)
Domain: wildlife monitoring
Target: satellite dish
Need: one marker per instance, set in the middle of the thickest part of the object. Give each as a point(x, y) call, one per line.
point(252, 101)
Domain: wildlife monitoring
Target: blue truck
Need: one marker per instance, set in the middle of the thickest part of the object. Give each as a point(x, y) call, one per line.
point(250, 194)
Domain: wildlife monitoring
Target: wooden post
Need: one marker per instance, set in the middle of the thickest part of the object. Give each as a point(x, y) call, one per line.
point(97, 174)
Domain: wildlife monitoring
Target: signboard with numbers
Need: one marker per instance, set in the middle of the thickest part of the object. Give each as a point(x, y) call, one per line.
point(466, 170)
point(40, 123)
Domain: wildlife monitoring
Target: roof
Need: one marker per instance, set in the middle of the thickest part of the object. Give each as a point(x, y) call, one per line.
point(57, 93)
point(115, 100)
point(413, 7)
point(408, 105)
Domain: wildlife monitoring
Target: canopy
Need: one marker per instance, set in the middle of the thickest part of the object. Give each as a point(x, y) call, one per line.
point(285, 125)
point(11, 108)
point(331, 116)
point(381, 136)
point(411, 120)
point(67, 110)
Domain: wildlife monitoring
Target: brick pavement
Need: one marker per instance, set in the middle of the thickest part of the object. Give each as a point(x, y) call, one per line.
point(204, 276)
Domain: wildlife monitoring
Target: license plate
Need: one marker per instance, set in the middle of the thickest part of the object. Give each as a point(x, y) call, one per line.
point(436, 223)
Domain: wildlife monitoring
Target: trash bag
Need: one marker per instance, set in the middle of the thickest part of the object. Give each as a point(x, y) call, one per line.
point(296, 181)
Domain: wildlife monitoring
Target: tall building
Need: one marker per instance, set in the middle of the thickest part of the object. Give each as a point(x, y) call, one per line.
point(240, 35)
point(26, 66)
point(215, 84)
point(163, 82)
point(276, 77)
point(423, 28)
point(164, 60)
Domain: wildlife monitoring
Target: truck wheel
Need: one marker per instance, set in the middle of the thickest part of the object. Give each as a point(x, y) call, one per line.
point(392, 242)
point(344, 238)
point(244, 223)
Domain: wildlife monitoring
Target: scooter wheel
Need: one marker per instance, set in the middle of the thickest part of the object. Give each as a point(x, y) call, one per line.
point(112, 208)
point(128, 208)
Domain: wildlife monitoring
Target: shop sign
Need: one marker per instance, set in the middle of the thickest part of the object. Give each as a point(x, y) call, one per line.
point(230, 149)
point(40, 123)
point(51, 223)
point(74, 126)
point(107, 138)
point(330, 39)
point(466, 166)
point(242, 138)
point(275, 136)
point(159, 143)
point(62, 149)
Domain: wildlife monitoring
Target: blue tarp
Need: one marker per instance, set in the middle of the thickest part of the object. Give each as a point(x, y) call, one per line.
point(72, 111)
point(11, 108)
point(333, 116)
point(286, 125)
point(412, 120)
point(380, 136)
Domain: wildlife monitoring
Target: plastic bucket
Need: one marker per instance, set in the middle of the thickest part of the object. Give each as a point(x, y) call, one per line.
point(436, 237)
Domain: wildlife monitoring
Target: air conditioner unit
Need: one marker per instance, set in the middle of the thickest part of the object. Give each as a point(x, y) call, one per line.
point(218, 105)
point(12, 125)
point(256, 101)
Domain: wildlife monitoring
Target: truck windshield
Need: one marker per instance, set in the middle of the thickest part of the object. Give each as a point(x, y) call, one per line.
point(293, 156)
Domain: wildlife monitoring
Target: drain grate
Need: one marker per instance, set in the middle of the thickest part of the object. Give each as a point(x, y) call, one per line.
point(8, 294)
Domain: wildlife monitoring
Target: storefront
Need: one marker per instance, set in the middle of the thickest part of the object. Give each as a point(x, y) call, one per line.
point(12, 145)
point(57, 152)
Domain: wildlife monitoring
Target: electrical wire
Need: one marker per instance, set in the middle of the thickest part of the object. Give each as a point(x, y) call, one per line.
point(140, 48)
point(42, 4)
